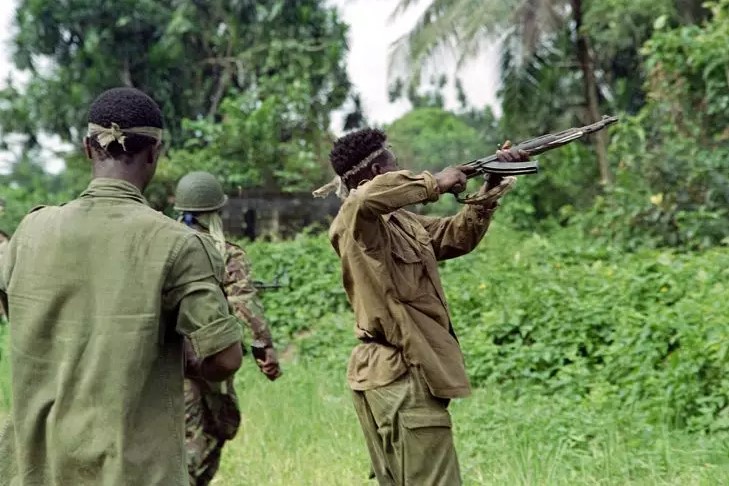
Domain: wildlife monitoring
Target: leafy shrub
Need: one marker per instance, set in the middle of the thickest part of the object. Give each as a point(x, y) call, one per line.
point(312, 269)
point(645, 330)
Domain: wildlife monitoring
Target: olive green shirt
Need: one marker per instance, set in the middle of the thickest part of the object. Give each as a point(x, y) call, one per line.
point(390, 273)
point(100, 293)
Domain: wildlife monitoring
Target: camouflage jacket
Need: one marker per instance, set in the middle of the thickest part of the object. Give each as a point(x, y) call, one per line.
point(242, 296)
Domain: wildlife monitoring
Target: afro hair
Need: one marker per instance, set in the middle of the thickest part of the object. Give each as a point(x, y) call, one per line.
point(128, 108)
point(354, 147)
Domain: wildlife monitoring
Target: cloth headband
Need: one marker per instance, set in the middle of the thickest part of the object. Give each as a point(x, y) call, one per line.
point(338, 184)
point(105, 136)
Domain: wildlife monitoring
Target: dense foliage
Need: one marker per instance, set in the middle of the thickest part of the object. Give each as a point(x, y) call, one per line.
point(561, 316)
point(660, 65)
point(189, 54)
point(673, 156)
point(246, 87)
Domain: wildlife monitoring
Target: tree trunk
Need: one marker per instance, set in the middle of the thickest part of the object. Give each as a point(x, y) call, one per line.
point(584, 57)
point(126, 74)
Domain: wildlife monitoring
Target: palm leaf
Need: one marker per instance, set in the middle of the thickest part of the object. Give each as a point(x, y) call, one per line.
point(463, 26)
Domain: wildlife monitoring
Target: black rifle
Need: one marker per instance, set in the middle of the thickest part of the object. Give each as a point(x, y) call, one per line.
point(275, 284)
point(535, 146)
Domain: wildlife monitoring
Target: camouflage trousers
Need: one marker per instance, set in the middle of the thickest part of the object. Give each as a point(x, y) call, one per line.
point(212, 417)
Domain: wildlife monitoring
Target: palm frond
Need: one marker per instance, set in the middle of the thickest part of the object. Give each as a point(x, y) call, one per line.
point(429, 33)
point(537, 18)
point(458, 25)
point(402, 7)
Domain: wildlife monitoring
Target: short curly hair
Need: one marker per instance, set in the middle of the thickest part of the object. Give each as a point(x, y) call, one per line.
point(354, 147)
point(128, 108)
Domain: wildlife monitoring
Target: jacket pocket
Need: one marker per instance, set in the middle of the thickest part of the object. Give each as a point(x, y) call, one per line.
point(422, 418)
point(407, 272)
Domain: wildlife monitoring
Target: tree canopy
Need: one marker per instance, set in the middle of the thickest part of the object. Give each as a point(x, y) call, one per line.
point(246, 87)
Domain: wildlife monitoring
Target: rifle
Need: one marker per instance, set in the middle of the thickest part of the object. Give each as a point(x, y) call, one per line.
point(275, 284)
point(535, 146)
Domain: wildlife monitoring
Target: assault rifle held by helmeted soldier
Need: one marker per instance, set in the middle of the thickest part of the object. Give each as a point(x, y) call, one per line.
point(280, 281)
point(491, 166)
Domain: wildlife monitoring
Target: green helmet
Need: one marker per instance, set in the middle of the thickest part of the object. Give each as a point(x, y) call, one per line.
point(199, 192)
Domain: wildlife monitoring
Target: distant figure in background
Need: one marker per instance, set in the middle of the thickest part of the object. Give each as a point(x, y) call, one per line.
point(408, 365)
point(101, 291)
point(212, 412)
point(4, 241)
point(250, 219)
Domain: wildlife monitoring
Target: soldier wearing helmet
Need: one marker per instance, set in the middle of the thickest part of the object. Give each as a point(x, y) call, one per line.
point(212, 412)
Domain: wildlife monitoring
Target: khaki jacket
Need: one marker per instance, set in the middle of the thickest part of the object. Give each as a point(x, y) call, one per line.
point(390, 273)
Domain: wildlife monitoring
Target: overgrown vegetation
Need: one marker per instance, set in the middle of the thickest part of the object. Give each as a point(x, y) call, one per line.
point(302, 430)
point(559, 316)
point(594, 317)
point(673, 156)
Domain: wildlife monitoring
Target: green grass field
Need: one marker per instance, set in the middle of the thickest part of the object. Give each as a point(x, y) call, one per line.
point(301, 430)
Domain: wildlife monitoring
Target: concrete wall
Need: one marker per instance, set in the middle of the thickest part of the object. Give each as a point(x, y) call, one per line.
point(259, 214)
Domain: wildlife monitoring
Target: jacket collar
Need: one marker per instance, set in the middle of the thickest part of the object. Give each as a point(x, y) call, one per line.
point(113, 188)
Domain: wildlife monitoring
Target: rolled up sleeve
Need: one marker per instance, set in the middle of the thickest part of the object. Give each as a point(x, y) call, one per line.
point(194, 292)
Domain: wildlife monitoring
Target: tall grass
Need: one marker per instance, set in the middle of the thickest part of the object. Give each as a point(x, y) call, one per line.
point(301, 430)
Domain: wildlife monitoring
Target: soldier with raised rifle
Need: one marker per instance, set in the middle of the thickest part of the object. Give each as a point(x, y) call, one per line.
point(408, 365)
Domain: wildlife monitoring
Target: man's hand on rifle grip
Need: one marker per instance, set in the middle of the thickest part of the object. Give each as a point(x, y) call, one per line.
point(505, 154)
point(451, 179)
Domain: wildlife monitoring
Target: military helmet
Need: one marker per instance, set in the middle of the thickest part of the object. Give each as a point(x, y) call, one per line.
point(199, 192)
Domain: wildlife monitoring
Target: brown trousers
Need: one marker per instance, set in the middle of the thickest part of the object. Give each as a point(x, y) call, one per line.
point(408, 433)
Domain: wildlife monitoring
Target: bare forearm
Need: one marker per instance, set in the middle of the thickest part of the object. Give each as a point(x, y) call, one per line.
point(217, 367)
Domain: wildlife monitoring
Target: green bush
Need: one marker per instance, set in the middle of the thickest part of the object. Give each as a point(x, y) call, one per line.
point(559, 316)
point(672, 158)
point(312, 269)
point(645, 330)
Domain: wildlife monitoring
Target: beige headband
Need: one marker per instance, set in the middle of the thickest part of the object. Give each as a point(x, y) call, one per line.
point(115, 134)
point(338, 184)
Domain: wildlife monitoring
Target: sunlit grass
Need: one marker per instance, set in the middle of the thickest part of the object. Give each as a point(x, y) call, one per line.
point(302, 430)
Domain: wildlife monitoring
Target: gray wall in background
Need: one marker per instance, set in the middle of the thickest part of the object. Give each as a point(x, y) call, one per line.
point(258, 214)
